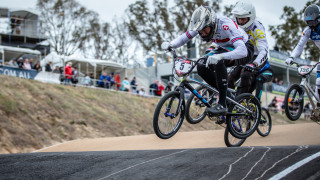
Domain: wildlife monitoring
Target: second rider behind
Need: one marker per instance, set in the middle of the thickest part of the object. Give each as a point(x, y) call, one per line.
point(256, 73)
point(225, 33)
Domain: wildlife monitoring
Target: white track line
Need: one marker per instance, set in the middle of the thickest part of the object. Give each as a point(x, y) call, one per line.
point(295, 166)
point(296, 151)
point(230, 166)
point(142, 163)
point(264, 154)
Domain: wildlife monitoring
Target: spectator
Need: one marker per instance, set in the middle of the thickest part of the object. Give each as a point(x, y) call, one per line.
point(125, 84)
point(142, 92)
point(26, 64)
point(168, 87)
point(13, 24)
point(273, 104)
point(275, 80)
point(13, 63)
point(56, 70)
point(20, 63)
point(160, 89)
point(68, 73)
point(104, 80)
point(86, 80)
point(62, 76)
point(31, 63)
point(153, 87)
point(75, 75)
point(133, 85)
point(112, 80)
point(280, 82)
point(117, 81)
point(37, 66)
point(48, 67)
point(18, 23)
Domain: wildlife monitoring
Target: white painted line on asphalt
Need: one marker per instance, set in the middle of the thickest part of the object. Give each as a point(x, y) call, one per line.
point(295, 166)
point(230, 166)
point(296, 151)
point(142, 163)
point(264, 154)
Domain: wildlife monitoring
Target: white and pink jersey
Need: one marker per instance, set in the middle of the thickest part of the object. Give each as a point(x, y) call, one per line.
point(228, 34)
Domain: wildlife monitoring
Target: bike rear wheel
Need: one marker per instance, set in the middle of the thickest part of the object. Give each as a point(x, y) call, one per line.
point(244, 125)
point(265, 123)
point(232, 141)
point(195, 108)
point(293, 102)
point(165, 123)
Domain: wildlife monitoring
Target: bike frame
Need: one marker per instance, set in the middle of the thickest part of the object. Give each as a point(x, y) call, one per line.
point(307, 88)
point(185, 82)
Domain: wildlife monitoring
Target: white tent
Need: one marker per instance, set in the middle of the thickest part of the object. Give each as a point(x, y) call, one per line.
point(84, 65)
point(8, 53)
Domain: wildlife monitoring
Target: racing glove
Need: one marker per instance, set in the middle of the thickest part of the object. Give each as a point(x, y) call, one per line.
point(250, 67)
point(166, 46)
point(289, 61)
point(214, 59)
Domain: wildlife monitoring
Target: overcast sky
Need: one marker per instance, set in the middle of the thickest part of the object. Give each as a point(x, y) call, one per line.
point(268, 12)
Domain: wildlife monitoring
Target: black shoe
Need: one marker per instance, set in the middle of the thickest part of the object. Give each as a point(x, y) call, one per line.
point(217, 109)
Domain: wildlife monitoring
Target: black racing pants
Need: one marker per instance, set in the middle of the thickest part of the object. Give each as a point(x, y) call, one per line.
point(217, 76)
point(250, 81)
point(259, 80)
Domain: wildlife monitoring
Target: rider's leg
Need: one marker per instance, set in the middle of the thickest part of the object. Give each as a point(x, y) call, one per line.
point(222, 82)
point(207, 74)
point(246, 81)
point(234, 75)
point(265, 76)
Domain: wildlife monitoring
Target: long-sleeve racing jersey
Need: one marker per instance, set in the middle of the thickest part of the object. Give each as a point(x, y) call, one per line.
point(228, 34)
point(306, 35)
point(258, 38)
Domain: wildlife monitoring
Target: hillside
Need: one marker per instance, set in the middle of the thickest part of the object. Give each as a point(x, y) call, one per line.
point(34, 115)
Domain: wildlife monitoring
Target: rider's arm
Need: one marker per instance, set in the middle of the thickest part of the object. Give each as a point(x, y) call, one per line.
point(261, 43)
point(240, 49)
point(183, 39)
point(237, 37)
point(303, 41)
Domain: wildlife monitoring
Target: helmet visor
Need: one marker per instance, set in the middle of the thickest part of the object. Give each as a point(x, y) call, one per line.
point(200, 19)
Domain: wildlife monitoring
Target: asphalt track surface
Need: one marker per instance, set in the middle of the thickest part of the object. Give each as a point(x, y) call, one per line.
point(249, 162)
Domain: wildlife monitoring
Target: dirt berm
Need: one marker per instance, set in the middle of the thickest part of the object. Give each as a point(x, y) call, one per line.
point(34, 115)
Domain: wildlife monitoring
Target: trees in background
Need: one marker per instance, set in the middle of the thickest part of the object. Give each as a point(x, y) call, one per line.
point(145, 25)
point(66, 23)
point(287, 35)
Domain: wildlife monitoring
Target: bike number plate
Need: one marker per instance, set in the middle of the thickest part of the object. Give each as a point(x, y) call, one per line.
point(182, 67)
point(303, 70)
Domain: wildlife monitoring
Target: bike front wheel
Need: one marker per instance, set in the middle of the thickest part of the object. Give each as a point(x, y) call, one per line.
point(168, 116)
point(195, 108)
point(293, 102)
point(265, 123)
point(232, 141)
point(242, 123)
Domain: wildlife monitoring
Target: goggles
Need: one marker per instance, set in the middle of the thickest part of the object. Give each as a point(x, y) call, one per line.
point(312, 22)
